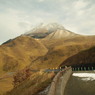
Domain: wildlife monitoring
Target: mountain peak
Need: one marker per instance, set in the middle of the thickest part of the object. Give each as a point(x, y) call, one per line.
point(42, 30)
point(50, 31)
point(52, 26)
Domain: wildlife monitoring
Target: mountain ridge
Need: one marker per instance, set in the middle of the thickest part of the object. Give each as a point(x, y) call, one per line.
point(20, 52)
point(43, 31)
point(44, 50)
point(58, 45)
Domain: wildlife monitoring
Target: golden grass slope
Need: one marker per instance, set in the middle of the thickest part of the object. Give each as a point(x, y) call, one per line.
point(6, 84)
point(33, 85)
point(53, 42)
point(19, 53)
point(61, 49)
point(83, 57)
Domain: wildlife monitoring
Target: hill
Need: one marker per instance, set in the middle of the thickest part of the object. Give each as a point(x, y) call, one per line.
point(59, 54)
point(19, 52)
point(70, 39)
point(45, 46)
point(83, 58)
point(60, 49)
point(36, 83)
point(48, 52)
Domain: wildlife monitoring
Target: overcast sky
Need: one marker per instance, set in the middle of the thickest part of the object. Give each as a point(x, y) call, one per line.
point(19, 16)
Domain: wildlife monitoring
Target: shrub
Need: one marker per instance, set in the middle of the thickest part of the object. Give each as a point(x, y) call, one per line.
point(20, 76)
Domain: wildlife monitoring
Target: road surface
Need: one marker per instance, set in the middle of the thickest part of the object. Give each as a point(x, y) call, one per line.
point(81, 83)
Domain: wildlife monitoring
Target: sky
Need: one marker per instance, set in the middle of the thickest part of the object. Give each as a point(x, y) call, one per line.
point(20, 16)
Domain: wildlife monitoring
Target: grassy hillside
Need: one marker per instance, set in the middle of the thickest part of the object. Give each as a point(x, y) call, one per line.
point(83, 57)
point(6, 84)
point(61, 49)
point(33, 85)
point(19, 53)
point(76, 39)
point(25, 51)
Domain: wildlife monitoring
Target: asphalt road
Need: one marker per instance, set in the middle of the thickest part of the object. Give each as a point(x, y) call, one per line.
point(77, 86)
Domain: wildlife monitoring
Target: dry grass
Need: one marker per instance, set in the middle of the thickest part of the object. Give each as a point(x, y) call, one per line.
point(6, 84)
point(68, 41)
point(22, 52)
point(19, 53)
point(58, 55)
point(83, 57)
point(61, 49)
point(31, 86)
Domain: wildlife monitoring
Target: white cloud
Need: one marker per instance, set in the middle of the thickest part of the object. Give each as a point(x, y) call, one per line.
point(79, 4)
point(76, 15)
point(9, 26)
point(41, 0)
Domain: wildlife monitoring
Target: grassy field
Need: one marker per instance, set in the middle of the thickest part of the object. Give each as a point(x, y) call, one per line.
point(33, 85)
point(6, 84)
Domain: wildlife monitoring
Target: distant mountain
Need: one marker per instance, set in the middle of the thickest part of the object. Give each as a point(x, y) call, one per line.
point(44, 30)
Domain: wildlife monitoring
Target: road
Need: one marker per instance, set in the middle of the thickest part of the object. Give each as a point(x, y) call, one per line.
point(81, 83)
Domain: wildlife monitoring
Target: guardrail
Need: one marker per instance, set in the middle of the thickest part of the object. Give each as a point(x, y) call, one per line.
point(52, 90)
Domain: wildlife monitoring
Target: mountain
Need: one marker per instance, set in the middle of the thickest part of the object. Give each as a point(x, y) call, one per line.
point(42, 30)
point(49, 52)
point(50, 31)
point(83, 58)
point(19, 52)
point(59, 54)
point(45, 46)
point(61, 44)
point(70, 40)
point(58, 34)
